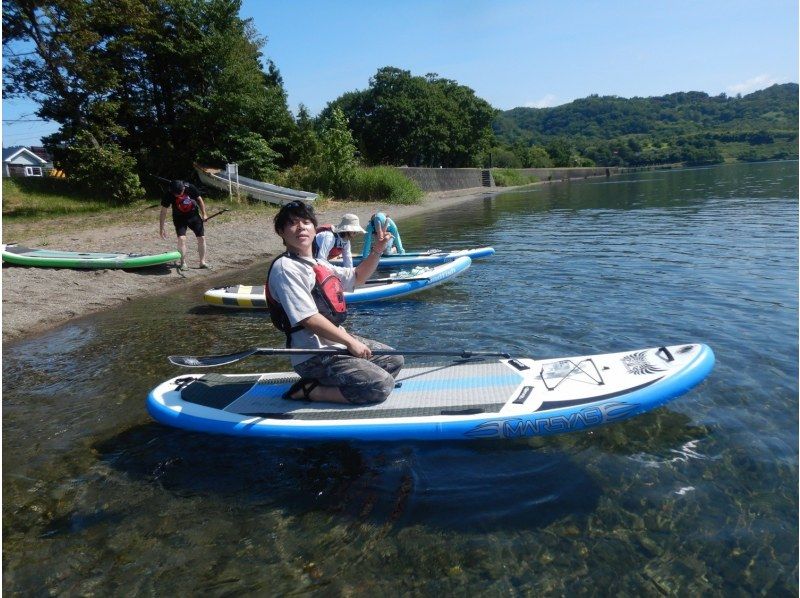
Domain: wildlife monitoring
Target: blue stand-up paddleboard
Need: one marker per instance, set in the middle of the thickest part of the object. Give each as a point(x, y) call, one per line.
point(431, 257)
point(460, 400)
point(401, 285)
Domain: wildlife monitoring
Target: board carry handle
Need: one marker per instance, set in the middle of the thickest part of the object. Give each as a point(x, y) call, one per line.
point(668, 356)
point(207, 361)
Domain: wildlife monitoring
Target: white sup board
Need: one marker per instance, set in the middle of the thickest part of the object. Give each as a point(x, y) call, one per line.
point(459, 400)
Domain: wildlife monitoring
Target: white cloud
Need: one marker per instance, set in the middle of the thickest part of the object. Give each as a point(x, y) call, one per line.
point(751, 85)
point(547, 101)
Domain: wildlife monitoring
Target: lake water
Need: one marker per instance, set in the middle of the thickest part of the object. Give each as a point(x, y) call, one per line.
point(699, 496)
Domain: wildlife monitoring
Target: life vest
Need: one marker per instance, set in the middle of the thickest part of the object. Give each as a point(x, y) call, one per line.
point(327, 292)
point(185, 204)
point(337, 245)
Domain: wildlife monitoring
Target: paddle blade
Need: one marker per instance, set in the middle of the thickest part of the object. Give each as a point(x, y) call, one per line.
point(209, 361)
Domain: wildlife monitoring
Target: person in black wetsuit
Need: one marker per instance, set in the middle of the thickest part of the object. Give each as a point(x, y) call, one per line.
point(188, 212)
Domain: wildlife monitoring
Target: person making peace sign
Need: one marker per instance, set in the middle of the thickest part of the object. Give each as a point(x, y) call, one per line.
point(306, 301)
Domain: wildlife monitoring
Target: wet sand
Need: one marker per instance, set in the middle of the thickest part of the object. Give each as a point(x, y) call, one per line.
point(37, 299)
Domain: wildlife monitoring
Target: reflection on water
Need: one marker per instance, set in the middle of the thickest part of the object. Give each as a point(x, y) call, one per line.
point(698, 497)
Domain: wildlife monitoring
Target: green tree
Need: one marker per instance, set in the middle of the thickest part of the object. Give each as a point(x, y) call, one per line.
point(72, 75)
point(560, 151)
point(537, 157)
point(337, 158)
point(167, 81)
point(305, 141)
point(256, 159)
point(503, 157)
point(402, 119)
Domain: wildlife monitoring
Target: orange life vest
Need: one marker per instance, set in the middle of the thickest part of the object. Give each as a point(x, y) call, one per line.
point(185, 204)
point(328, 295)
point(337, 246)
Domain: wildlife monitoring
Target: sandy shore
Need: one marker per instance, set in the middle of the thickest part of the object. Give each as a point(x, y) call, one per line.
point(36, 299)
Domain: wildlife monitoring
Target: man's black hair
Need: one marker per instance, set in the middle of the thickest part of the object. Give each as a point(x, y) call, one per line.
point(176, 186)
point(294, 209)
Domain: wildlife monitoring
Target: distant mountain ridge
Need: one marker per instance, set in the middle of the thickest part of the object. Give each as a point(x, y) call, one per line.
point(681, 113)
point(685, 127)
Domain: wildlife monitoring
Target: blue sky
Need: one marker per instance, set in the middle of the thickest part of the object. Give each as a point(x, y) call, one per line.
point(518, 53)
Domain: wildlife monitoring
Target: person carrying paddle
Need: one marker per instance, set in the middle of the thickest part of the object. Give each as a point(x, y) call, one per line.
point(306, 301)
point(188, 211)
point(381, 220)
point(334, 241)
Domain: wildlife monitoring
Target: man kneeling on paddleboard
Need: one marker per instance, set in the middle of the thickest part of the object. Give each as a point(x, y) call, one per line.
point(306, 301)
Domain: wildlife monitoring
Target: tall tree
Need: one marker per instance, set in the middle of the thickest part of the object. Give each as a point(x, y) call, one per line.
point(337, 157)
point(168, 81)
point(417, 121)
point(71, 72)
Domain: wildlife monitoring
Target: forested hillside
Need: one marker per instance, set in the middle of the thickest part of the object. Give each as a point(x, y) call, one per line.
point(690, 127)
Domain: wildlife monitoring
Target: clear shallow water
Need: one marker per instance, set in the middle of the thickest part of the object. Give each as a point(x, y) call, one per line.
point(699, 496)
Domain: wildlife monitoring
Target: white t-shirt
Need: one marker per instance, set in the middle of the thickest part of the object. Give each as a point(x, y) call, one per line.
point(326, 241)
point(290, 284)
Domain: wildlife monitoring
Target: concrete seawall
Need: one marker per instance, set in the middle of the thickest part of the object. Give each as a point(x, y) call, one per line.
point(447, 179)
point(563, 174)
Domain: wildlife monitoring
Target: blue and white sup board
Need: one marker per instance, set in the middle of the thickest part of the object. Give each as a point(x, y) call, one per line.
point(399, 285)
point(430, 257)
point(460, 400)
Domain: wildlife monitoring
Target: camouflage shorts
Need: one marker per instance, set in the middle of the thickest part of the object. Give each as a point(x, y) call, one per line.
point(360, 381)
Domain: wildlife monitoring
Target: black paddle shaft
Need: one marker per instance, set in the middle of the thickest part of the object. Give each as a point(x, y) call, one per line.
point(207, 361)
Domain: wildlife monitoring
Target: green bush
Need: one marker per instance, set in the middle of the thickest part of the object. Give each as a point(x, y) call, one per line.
point(382, 183)
point(508, 177)
point(298, 177)
point(101, 171)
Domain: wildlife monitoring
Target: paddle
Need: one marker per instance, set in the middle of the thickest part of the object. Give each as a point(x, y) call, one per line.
point(222, 211)
point(160, 179)
point(208, 361)
point(414, 253)
point(388, 280)
point(426, 252)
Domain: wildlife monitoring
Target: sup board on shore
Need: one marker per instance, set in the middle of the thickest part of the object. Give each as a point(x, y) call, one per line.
point(460, 400)
point(401, 285)
point(430, 257)
point(47, 258)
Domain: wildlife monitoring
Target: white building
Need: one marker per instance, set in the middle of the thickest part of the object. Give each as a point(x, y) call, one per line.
point(23, 162)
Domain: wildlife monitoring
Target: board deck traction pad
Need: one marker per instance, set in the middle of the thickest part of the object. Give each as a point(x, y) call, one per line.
point(444, 390)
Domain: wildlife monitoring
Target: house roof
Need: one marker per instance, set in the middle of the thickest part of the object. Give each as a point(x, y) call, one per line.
point(42, 152)
point(11, 153)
